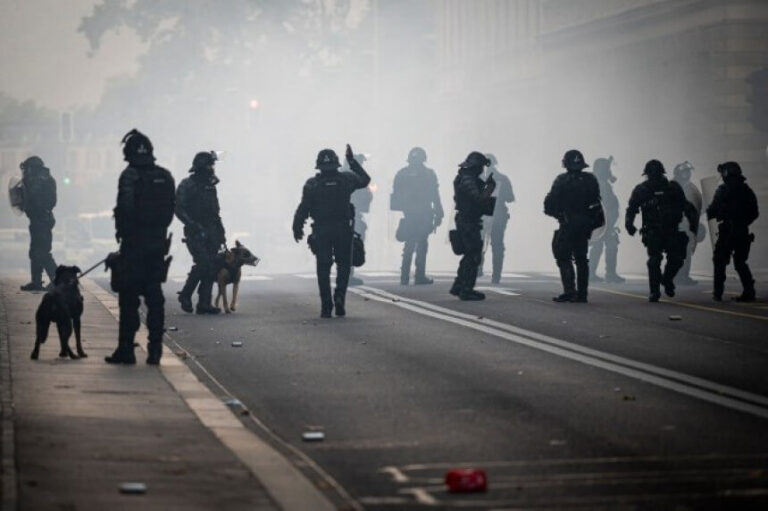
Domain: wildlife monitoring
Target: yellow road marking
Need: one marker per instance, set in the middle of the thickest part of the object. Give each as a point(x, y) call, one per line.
point(686, 304)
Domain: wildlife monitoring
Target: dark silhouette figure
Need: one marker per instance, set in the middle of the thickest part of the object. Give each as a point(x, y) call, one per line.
point(361, 202)
point(495, 225)
point(473, 198)
point(735, 208)
point(144, 210)
point(415, 193)
point(663, 205)
point(682, 176)
point(609, 241)
point(574, 200)
point(197, 206)
point(326, 199)
point(38, 203)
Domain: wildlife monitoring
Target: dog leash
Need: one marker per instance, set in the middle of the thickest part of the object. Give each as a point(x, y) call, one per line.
point(89, 270)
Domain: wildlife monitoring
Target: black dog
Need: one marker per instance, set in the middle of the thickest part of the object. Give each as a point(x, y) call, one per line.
point(62, 305)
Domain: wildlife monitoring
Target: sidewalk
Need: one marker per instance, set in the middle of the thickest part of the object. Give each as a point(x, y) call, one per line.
point(83, 427)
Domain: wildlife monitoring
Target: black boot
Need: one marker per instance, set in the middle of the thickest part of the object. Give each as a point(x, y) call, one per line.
point(470, 295)
point(456, 288)
point(422, 280)
point(154, 352)
point(565, 298)
point(748, 294)
point(32, 286)
point(204, 298)
point(186, 302)
point(326, 310)
point(338, 302)
point(123, 354)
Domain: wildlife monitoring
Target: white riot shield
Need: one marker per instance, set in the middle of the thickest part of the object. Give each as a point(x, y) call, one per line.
point(16, 195)
point(708, 187)
point(599, 232)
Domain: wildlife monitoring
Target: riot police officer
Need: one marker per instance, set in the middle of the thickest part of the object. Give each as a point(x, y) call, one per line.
point(474, 199)
point(326, 198)
point(197, 206)
point(361, 202)
point(495, 225)
point(601, 168)
point(574, 200)
point(682, 175)
point(38, 203)
point(735, 208)
point(663, 205)
point(144, 210)
point(415, 193)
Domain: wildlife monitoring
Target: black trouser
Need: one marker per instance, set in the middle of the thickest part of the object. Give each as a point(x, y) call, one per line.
point(610, 242)
point(470, 232)
point(332, 243)
point(40, 243)
point(145, 275)
point(495, 237)
point(569, 246)
point(737, 244)
point(685, 271)
point(203, 272)
point(673, 244)
point(416, 233)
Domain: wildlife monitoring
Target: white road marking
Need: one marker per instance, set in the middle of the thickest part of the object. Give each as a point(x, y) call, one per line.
point(254, 277)
point(421, 495)
point(377, 273)
point(396, 473)
point(499, 290)
point(723, 395)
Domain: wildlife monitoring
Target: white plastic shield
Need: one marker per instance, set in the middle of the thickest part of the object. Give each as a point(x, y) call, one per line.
point(708, 187)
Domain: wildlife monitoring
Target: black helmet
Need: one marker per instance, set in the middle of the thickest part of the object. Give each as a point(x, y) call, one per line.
point(601, 168)
point(203, 160)
point(475, 159)
point(573, 159)
point(654, 168)
point(33, 162)
point(327, 160)
point(417, 155)
point(682, 167)
point(137, 148)
point(492, 159)
point(729, 168)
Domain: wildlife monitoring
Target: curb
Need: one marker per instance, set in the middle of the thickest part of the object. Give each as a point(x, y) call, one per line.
point(8, 489)
point(287, 486)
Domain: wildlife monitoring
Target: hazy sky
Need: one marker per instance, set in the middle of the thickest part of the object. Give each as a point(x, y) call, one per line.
point(44, 58)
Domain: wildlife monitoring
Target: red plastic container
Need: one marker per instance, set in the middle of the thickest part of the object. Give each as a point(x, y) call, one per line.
point(466, 480)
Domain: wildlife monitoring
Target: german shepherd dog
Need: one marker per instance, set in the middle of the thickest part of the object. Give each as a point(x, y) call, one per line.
point(62, 305)
point(229, 264)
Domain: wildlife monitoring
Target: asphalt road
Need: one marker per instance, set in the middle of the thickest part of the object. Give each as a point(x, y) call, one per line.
point(613, 404)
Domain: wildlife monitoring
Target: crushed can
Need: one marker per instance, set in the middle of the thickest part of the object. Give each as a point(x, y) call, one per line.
point(466, 480)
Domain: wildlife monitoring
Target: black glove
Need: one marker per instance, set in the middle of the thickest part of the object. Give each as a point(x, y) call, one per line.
point(350, 156)
point(631, 229)
point(298, 234)
point(490, 183)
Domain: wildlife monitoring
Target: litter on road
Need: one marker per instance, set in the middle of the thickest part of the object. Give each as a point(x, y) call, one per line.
point(237, 344)
point(466, 480)
point(313, 436)
point(133, 488)
point(675, 318)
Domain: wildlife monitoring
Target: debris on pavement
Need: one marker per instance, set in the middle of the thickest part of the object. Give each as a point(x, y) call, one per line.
point(313, 436)
point(675, 318)
point(466, 480)
point(237, 344)
point(628, 397)
point(133, 488)
point(172, 329)
point(233, 402)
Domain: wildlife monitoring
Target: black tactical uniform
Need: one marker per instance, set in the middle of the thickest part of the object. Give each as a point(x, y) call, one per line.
point(39, 201)
point(415, 193)
point(610, 239)
point(326, 198)
point(574, 201)
point(361, 202)
point(682, 175)
point(473, 198)
point(663, 204)
point(144, 210)
point(197, 206)
point(735, 208)
point(495, 225)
